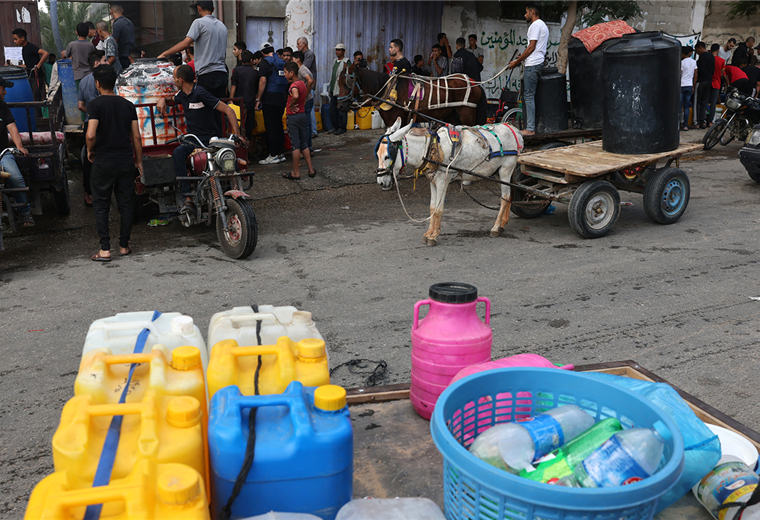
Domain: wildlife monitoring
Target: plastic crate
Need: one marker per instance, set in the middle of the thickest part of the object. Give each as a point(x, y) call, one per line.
point(476, 490)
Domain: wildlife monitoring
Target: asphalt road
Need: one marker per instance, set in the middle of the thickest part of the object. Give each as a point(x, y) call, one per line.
point(677, 299)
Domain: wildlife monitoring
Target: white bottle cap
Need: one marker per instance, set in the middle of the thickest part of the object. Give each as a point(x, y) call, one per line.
point(301, 317)
point(182, 325)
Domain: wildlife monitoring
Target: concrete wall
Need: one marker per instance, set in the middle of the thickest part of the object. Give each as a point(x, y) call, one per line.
point(674, 17)
point(499, 39)
point(718, 28)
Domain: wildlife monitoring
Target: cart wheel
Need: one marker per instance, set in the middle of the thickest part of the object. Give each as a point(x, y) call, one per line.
point(666, 195)
point(62, 198)
point(594, 209)
point(755, 176)
point(713, 136)
point(533, 210)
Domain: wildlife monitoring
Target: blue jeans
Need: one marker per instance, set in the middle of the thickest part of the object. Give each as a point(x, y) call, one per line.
point(530, 82)
point(313, 117)
point(686, 93)
point(312, 127)
point(16, 180)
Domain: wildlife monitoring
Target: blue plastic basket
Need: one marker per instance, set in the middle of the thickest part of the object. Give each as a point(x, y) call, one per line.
point(476, 490)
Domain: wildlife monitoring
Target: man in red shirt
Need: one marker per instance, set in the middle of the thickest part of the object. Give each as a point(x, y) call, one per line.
point(720, 63)
point(738, 79)
point(298, 122)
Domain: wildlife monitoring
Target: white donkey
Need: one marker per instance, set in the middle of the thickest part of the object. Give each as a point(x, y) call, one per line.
point(480, 149)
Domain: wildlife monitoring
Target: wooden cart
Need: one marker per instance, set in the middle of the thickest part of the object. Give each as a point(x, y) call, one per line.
point(589, 179)
point(394, 453)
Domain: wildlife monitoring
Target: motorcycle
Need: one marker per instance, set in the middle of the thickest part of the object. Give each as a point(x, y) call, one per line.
point(218, 193)
point(741, 114)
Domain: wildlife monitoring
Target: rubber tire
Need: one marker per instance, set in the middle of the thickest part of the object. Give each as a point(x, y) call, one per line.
point(576, 212)
point(663, 182)
point(512, 113)
point(249, 229)
point(712, 137)
point(754, 176)
point(519, 195)
point(63, 197)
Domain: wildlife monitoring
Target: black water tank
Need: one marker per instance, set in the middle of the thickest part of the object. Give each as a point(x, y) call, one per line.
point(585, 71)
point(641, 92)
point(551, 102)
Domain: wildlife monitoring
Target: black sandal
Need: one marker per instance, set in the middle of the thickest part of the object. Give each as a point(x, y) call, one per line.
point(312, 175)
point(290, 177)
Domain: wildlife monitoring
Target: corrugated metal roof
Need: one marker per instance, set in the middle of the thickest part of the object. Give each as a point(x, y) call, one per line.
point(369, 27)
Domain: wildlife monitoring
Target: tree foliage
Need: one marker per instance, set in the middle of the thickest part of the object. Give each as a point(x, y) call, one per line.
point(743, 9)
point(69, 15)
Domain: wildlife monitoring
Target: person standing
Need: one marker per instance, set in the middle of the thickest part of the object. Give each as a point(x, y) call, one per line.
point(245, 83)
point(304, 74)
point(689, 78)
point(310, 62)
point(743, 51)
point(123, 33)
point(443, 41)
point(401, 65)
point(209, 38)
point(237, 50)
point(473, 48)
point(190, 53)
point(339, 119)
point(87, 92)
point(115, 150)
point(271, 100)
point(470, 64)
point(753, 77)
point(110, 47)
point(534, 57)
point(34, 59)
point(16, 180)
point(298, 122)
point(705, 71)
point(439, 62)
point(78, 50)
point(417, 69)
point(726, 50)
point(716, 82)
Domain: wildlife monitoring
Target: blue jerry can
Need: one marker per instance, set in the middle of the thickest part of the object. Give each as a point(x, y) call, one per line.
point(303, 454)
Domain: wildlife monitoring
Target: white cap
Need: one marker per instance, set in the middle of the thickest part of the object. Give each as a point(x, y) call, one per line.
point(182, 325)
point(265, 45)
point(340, 46)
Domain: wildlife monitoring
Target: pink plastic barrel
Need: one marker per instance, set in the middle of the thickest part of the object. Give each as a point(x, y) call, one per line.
point(450, 338)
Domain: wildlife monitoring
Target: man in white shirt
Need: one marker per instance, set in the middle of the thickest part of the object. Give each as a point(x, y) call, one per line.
point(726, 50)
point(688, 80)
point(533, 56)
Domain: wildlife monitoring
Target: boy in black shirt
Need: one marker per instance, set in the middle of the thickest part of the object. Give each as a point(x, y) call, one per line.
point(245, 83)
point(112, 133)
point(199, 107)
point(34, 58)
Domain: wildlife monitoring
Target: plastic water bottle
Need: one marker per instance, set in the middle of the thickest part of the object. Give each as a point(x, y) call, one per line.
point(513, 446)
point(627, 457)
point(572, 453)
point(730, 481)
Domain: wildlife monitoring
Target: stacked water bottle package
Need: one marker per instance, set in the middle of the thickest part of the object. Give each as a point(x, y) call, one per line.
point(138, 441)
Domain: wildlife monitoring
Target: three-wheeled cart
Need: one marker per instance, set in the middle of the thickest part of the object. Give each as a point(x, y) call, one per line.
point(588, 179)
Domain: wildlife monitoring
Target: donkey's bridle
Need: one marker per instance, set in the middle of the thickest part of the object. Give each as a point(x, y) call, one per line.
point(355, 86)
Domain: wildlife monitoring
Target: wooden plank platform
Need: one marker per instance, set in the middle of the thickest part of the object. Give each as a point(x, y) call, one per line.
point(570, 133)
point(394, 453)
point(590, 160)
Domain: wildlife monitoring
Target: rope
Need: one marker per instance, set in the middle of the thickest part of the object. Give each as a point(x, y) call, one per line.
point(251, 444)
point(480, 203)
point(360, 366)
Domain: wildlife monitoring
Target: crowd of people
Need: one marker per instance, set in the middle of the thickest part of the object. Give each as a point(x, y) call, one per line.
point(714, 71)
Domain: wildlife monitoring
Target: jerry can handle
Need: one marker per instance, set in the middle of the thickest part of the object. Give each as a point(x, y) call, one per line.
point(92, 496)
point(256, 316)
point(417, 312)
point(488, 308)
point(137, 326)
point(299, 415)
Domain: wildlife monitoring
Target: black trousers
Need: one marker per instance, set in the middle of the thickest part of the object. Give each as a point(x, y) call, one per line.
point(118, 179)
point(274, 131)
point(704, 92)
point(215, 84)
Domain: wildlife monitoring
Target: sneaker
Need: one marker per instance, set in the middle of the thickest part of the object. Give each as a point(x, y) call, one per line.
point(187, 207)
point(280, 159)
point(268, 160)
point(331, 131)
